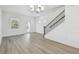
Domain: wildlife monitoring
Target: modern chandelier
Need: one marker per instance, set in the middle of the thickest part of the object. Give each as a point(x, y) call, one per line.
point(37, 8)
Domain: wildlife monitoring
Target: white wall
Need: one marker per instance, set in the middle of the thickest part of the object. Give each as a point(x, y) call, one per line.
point(44, 20)
point(0, 25)
point(23, 19)
point(68, 32)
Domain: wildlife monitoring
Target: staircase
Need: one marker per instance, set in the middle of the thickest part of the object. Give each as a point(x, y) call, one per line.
point(55, 22)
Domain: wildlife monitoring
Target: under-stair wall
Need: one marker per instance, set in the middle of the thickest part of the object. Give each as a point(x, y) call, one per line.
point(68, 32)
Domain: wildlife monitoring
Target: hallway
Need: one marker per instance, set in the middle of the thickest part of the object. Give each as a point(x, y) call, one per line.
point(33, 43)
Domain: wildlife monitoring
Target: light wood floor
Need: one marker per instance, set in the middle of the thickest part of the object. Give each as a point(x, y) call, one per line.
point(33, 43)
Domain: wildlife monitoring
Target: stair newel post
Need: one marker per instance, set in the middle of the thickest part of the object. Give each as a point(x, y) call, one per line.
point(44, 31)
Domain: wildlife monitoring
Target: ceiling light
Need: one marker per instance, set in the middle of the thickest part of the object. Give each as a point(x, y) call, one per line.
point(37, 8)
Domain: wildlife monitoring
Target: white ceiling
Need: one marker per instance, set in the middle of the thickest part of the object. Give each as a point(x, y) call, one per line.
point(25, 9)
